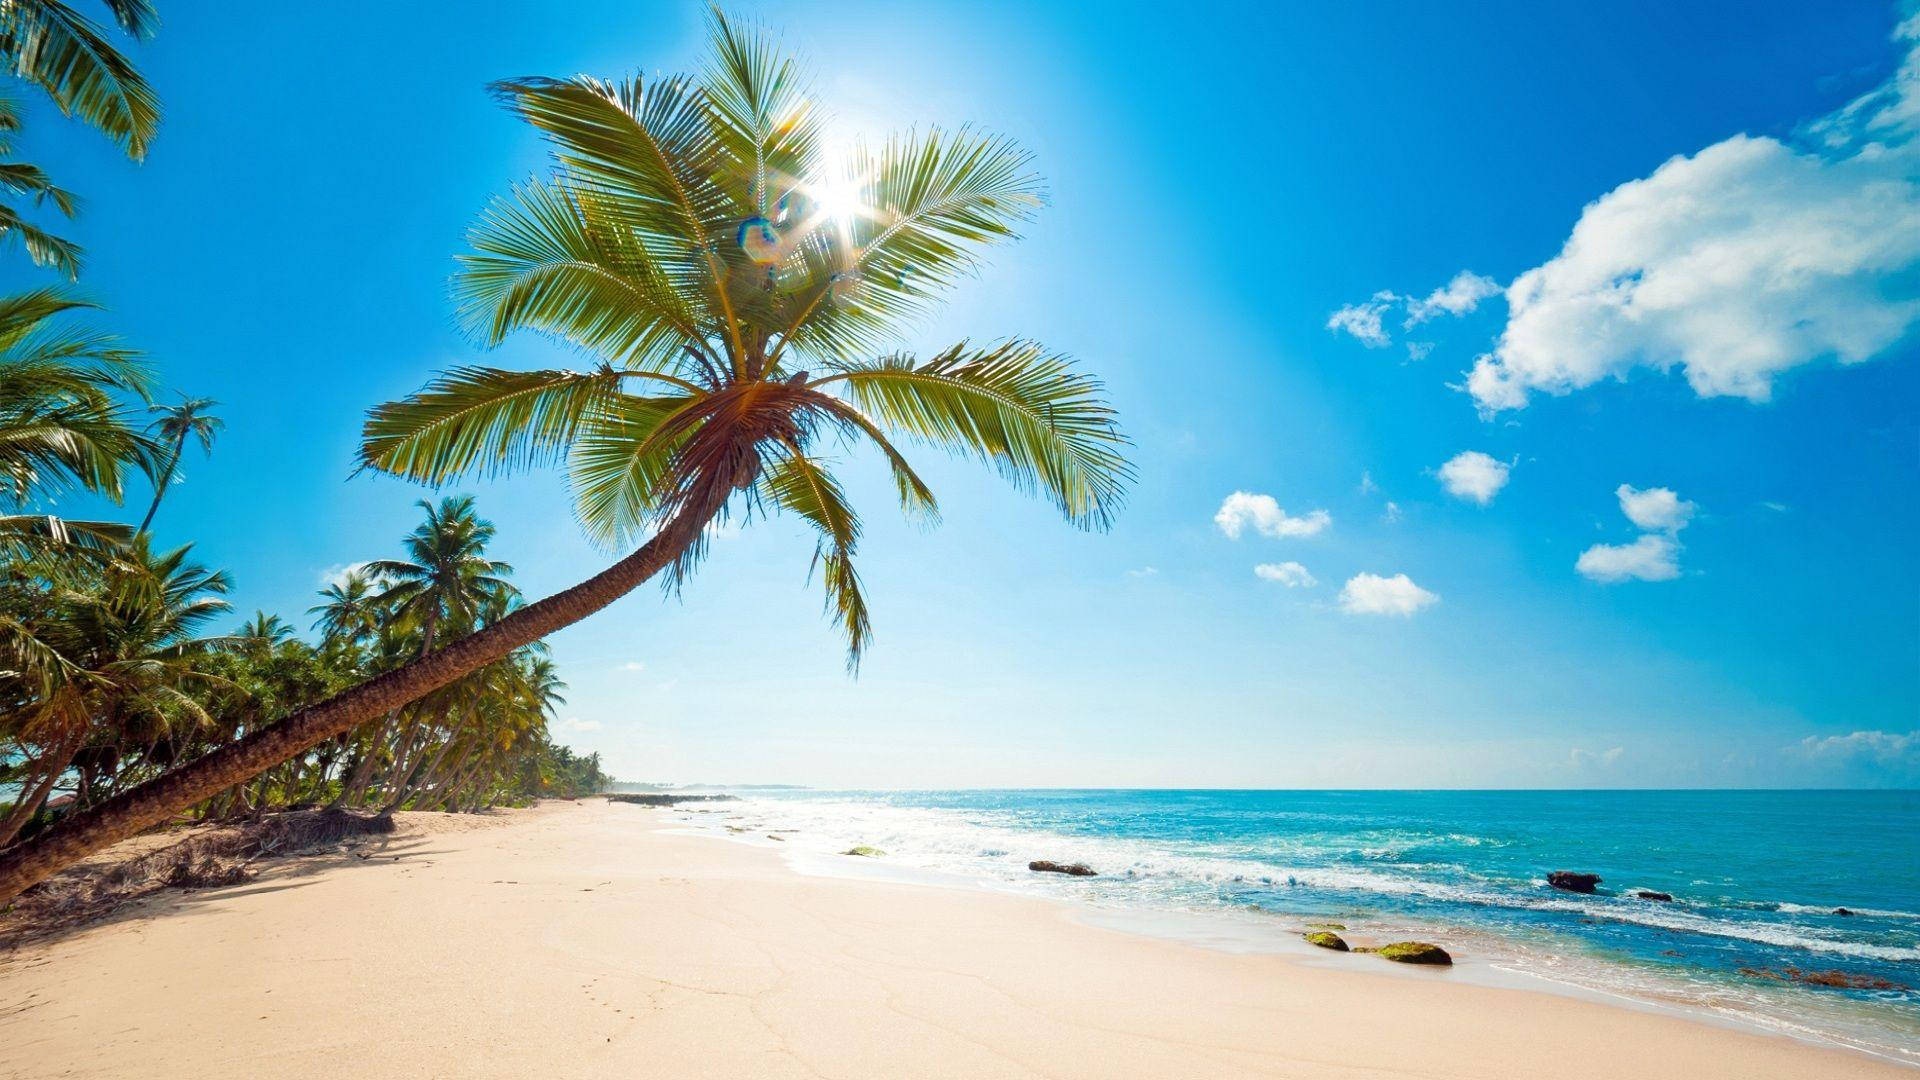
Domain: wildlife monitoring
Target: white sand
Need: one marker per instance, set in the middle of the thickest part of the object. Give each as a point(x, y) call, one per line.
point(578, 940)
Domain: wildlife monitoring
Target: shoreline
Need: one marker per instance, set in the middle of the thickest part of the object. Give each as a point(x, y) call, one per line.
point(1251, 932)
point(593, 939)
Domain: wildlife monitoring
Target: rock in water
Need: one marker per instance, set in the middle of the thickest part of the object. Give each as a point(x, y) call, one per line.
point(1415, 952)
point(1841, 911)
point(1573, 882)
point(1048, 866)
point(1649, 894)
point(1326, 940)
point(864, 851)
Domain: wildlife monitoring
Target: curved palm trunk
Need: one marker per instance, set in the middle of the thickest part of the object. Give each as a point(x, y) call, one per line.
point(160, 487)
point(81, 834)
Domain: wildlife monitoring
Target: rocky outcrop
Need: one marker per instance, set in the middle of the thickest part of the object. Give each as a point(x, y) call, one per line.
point(1837, 980)
point(1649, 894)
point(1326, 940)
point(864, 852)
point(1570, 881)
point(1048, 866)
point(668, 800)
point(1416, 952)
point(1326, 926)
point(1841, 911)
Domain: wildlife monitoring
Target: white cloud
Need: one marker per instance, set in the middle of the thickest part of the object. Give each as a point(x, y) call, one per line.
point(1371, 594)
point(1456, 297)
point(1242, 509)
point(1290, 574)
point(1735, 264)
point(1392, 515)
point(633, 665)
point(1142, 573)
point(1583, 758)
point(1363, 321)
point(338, 573)
point(1367, 486)
point(574, 723)
point(1653, 557)
point(1879, 747)
point(1418, 350)
point(1776, 507)
point(1474, 476)
point(1655, 509)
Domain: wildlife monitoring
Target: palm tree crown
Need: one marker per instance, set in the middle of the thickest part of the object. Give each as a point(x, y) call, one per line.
point(743, 290)
point(192, 418)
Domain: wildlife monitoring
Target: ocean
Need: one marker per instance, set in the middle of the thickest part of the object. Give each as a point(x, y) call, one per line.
point(1757, 878)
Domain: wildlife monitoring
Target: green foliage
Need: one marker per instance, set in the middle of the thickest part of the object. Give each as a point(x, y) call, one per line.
point(744, 296)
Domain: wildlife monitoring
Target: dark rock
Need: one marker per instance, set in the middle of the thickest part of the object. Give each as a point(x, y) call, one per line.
point(1837, 980)
point(1415, 952)
point(668, 800)
point(1841, 911)
point(1326, 940)
point(1573, 882)
point(1326, 926)
point(1649, 894)
point(1048, 866)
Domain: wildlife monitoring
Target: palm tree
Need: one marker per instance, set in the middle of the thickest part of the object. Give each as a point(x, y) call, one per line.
point(49, 44)
point(448, 580)
point(743, 292)
point(350, 613)
point(97, 653)
point(174, 426)
point(63, 426)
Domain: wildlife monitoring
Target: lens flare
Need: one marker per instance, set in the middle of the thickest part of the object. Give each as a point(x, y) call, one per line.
point(760, 240)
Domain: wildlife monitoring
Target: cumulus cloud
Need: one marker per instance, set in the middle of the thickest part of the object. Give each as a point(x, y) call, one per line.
point(1456, 297)
point(1242, 509)
point(1366, 321)
point(1878, 747)
point(1653, 557)
point(1371, 594)
point(1655, 509)
point(337, 574)
point(1363, 321)
point(1474, 476)
point(1584, 758)
point(1734, 264)
point(1290, 574)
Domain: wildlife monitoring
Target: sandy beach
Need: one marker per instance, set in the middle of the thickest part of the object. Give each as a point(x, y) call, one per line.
point(583, 940)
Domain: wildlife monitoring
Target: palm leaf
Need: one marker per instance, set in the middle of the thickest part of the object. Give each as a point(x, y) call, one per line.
point(1025, 411)
point(801, 485)
point(48, 43)
point(483, 419)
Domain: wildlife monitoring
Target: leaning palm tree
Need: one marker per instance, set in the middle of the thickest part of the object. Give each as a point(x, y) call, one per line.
point(744, 293)
point(176, 424)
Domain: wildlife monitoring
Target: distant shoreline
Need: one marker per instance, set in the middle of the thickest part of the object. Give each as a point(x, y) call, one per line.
point(590, 939)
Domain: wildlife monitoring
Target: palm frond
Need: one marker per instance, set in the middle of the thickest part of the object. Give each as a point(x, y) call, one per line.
point(483, 419)
point(43, 247)
point(48, 43)
point(623, 464)
point(1025, 411)
point(801, 485)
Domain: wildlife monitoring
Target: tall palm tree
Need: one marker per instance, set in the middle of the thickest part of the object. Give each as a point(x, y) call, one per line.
point(743, 292)
point(191, 418)
point(70, 57)
point(350, 611)
point(448, 580)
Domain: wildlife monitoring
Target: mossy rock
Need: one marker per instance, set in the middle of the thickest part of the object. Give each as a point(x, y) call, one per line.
point(1326, 926)
point(1415, 952)
point(1326, 940)
point(864, 850)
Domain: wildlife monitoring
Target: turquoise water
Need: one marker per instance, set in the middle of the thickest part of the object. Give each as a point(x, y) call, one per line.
point(1756, 878)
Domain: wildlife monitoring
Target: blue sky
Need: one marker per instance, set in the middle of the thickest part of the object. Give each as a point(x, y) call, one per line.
point(1223, 183)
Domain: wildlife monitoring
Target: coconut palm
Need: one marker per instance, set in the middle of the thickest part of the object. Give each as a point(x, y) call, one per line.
point(743, 292)
point(174, 426)
point(100, 653)
point(63, 424)
point(447, 581)
point(350, 611)
point(70, 57)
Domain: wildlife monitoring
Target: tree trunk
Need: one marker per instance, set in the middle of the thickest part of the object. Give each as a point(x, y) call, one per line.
point(160, 488)
point(57, 761)
point(81, 834)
